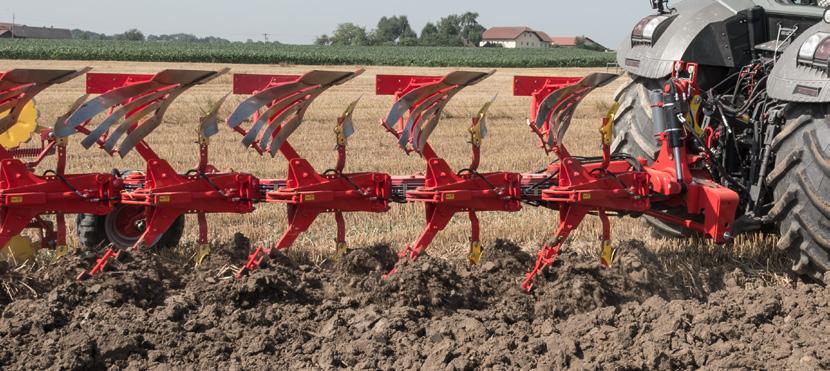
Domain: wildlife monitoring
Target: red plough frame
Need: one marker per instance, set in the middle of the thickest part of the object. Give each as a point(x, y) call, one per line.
point(133, 106)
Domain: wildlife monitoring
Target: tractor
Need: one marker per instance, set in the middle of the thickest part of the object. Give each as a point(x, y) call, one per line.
point(760, 111)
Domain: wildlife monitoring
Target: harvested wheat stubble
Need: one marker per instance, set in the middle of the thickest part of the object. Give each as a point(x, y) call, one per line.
point(434, 313)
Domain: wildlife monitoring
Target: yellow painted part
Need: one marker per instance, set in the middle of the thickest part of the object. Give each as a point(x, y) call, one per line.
point(21, 131)
point(18, 250)
point(607, 129)
point(340, 250)
point(607, 254)
point(61, 251)
point(475, 253)
point(696, 102)
point(202, 254)
point(475, 134)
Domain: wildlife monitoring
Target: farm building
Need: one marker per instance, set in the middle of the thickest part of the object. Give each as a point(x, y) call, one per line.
point(574, 41)
point(19, 31)
point(515, 37)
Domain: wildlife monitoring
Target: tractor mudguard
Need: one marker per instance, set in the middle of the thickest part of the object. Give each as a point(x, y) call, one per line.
point(710, 33)
point(697, 33)
point(800, 81)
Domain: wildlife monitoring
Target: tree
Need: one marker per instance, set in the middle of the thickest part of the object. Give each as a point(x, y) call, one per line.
point(429, 35)
point(349, 34)
point(130, 35)
point(322, 40)
point(453, 30)
point(88, 35)
point(394, 30)
point(471, 30)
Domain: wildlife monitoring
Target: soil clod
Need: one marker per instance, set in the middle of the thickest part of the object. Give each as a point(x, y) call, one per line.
point(152, 310)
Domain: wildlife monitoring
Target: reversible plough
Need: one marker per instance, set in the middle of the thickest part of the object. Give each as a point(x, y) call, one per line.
point(144, 205)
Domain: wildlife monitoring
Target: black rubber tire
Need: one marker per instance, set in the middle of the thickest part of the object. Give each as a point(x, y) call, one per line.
point(92, 233)
point(633, 127)
point(801, 185)
point(634, 135)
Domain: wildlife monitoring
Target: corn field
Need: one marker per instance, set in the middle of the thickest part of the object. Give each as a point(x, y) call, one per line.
point(260, 53)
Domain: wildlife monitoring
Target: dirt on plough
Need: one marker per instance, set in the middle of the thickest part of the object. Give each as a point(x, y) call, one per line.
point(433, 314)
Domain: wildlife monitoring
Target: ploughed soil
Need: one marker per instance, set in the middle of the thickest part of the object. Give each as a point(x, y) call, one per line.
point(156, 312)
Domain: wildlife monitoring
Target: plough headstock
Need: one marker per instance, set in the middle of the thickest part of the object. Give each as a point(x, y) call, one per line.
point(137, 101)
point(278, 105)
point(420, 100)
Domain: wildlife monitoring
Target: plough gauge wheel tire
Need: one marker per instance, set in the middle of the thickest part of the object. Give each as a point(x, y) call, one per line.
point(801, 184)
point(634, 135)
point(22, 130)
point(122, 227)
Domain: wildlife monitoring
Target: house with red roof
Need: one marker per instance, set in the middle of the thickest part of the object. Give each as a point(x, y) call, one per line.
point(526, 37)
point(515, 37)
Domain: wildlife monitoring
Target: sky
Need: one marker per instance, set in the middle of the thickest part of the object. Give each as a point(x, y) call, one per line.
point(301, 21)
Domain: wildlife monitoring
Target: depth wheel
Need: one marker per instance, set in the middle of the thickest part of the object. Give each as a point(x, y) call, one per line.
point(122, 227)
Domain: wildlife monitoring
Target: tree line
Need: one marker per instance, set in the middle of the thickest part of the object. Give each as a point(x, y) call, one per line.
point(452, 30)
point(136, 35)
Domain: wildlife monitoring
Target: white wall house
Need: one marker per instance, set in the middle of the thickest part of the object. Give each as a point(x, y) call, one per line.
point(515, 37)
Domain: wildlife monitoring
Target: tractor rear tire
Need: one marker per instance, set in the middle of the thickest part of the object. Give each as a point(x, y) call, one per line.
point(800, 182)
point(633, 125)
point(634, 135)
point(98, 231)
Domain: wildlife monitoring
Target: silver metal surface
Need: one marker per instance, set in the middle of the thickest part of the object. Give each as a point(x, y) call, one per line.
point(265, 117)
point(102, 103)
point(133, 119)
point(405, 103)
point(417, 113)
point(116, 115)
point(346, 121)
point(287, 128)
point(209, 123)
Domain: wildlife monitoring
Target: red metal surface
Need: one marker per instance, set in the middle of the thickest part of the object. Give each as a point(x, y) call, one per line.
point(306, 192)
point(100, 83)
point(126, 221)
point(401, 84)
point(444, 192)
point(161, 194)
point(574, 186)
point(622, 186)
point(539, 87)
point(251, 83)
point(100, 263)
point(24, 196)
point(166, 195)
